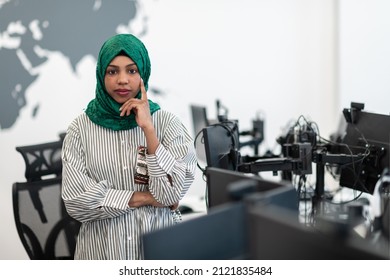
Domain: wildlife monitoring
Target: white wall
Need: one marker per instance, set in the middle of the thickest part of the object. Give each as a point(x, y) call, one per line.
point(364, 38)
point(277, 57)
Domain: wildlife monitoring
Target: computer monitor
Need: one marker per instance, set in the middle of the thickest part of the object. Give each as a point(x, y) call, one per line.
point(221, 184)
point(366, 134)
point(199, 118)
point(219, 235)
point(221, 142)
point(275, 234)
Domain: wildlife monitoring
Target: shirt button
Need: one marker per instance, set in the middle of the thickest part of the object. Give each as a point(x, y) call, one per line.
point(124, 167)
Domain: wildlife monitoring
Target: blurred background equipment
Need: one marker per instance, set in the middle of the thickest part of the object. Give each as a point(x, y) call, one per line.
point(355, 156)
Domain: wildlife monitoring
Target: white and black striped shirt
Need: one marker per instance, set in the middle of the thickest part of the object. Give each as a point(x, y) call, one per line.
point(98, 181)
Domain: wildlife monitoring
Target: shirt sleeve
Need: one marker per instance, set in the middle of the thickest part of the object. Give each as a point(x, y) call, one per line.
point(172, 167)
point(84, 198)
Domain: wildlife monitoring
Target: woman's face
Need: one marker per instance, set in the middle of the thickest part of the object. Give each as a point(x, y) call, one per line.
point(122, 79)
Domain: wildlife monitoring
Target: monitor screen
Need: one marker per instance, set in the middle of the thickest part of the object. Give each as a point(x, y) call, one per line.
point(220, 182)
point(219, 235)
point(239, 231)
point(367, 134)
point(221, 142)
point(275, 234)
point(199, 118)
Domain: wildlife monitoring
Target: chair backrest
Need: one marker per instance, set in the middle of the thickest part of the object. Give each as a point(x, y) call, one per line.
point(44, 227)
point(41, 160)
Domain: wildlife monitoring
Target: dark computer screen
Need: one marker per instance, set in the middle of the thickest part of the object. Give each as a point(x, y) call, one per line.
point(367, 134)
point(241, 231)
point(220, 183)
point(221, 142)
point(219, 235)
point(275, 234)
point(200, 120)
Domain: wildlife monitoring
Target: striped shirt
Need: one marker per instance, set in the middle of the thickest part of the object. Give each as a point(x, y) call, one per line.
point(99, 166)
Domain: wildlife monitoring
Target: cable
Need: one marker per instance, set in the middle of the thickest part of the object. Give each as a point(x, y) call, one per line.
point(202, 141)
point(356, 165)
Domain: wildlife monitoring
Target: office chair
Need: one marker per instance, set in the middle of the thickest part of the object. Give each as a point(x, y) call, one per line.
point(44, 227)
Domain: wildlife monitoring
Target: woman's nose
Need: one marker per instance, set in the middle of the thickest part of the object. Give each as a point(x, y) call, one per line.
point(123, 78)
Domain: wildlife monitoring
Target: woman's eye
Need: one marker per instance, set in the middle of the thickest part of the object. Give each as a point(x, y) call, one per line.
point(111, 71)
point(132, 71)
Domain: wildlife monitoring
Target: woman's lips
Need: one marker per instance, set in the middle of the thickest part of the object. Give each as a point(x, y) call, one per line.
point(122, 91)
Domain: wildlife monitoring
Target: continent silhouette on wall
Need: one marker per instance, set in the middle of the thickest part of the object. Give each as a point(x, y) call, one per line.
point(74, 28)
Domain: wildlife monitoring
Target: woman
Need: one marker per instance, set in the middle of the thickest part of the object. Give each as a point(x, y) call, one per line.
point(126, 162)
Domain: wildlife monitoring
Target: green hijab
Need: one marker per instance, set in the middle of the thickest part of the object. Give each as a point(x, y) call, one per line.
point(103, 110)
